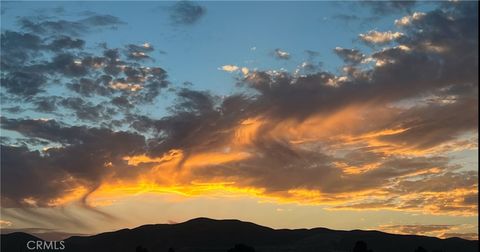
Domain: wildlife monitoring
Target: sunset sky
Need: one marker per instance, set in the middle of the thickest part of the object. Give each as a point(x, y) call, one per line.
point(345, 115)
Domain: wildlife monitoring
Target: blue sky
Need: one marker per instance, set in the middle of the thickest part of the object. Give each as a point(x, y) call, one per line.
point(241, 33)
point(225, 35)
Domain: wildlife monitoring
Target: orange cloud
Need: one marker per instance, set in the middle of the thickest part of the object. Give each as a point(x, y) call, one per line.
point(362, 171)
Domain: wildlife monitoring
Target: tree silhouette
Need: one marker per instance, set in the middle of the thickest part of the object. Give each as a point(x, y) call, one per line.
point(361, 246)
point(141, 249)
point(420, 249)
point(241, 248)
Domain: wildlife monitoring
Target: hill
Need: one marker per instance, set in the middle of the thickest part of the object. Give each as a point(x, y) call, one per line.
point(202, 235)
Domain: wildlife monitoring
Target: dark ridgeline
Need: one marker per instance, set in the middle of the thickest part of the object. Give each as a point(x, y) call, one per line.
point(207, 235)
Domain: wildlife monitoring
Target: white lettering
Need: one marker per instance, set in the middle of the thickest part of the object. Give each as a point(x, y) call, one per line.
point(46, 245)
point(28, 245)
point(62, 245)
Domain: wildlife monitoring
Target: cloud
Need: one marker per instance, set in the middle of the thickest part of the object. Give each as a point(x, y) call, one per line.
point(33, 63)
point(440, 230)
point(4, 223)
point(24, 83)
point(18, 47)
point(75, 28)
point(370, 137)
point(65, 42)
point(139, 52)
point(86, 110)
point(417, 229)
point(229, 68)
point(90, 87)
point(186, 13)
point(42, 179)
point(407, 20)
point(233, 68)
point(46, 104)
point(351, 56)
point(448, 124)
point(376, 37)
point(281, 54)
point(467, 236)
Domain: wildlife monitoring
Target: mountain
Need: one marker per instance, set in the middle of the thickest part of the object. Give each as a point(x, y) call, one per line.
point(202, 235)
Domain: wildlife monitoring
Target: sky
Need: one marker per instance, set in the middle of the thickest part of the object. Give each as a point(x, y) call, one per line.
point(345, 115)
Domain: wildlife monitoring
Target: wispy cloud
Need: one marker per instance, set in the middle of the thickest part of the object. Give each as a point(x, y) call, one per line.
point(281, 54)
point(186, 13)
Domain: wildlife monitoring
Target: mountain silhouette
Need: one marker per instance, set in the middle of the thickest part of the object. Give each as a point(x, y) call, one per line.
point(205, 235)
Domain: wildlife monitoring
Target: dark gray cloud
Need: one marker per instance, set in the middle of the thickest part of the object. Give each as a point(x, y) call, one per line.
point(199, 121)
point(65, 64)
point(138, 52)
point(88, 87)
point(445, 182)
point(23, 83)
point(75, 28)
point(18, 47)
point(279, 167)
point(430, 126)
point(46, 104)
point(350, 56)
point(21, 164)
point(14, 109)
point(65, 42)
point(31, 63)
point(36, 179)
point(87, 110)
point(186, 13)
point(122, 102)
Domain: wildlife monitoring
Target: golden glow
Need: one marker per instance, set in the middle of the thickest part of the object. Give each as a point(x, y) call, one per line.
point(215, 158)
point(247, 131)
point(136, 160)
point(349, 128)
point(356, 169)
point(71, 196)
